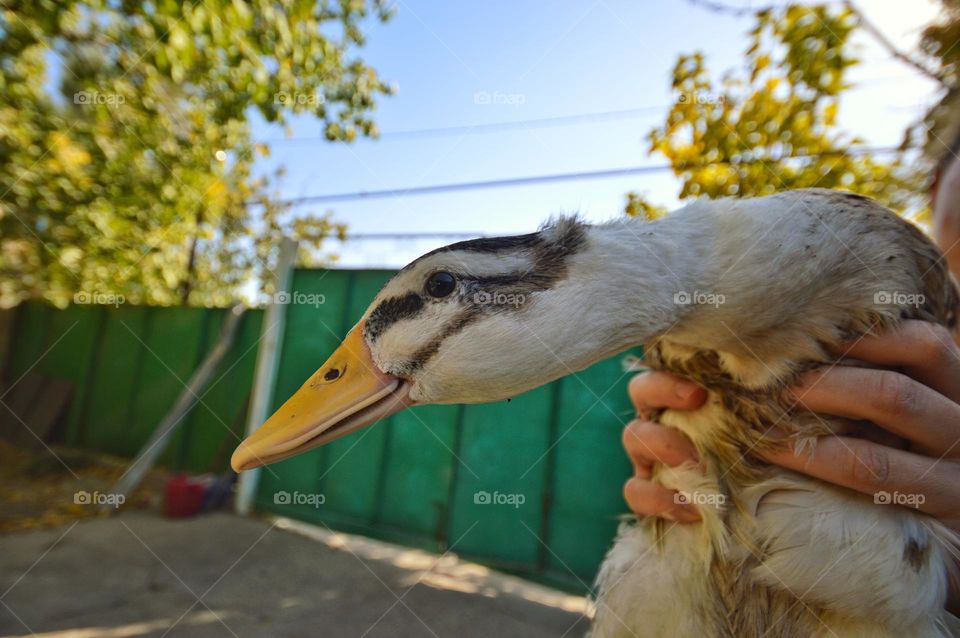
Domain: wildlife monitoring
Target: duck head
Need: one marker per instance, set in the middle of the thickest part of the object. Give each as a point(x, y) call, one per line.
point(472, 322)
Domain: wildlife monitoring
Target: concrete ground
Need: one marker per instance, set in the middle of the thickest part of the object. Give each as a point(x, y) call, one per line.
point(137, 574)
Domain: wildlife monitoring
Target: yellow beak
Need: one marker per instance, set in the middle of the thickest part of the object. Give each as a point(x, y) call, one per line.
point(347, 393)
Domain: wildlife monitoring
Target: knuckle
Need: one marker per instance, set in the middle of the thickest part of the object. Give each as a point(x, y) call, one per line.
point(632, 490)
point(669, 443)
point(645, 499)
point(935, 342)
point(869, 465)
point(633, 430)
point(896, 394)
point(657, 444)
point(639, 436)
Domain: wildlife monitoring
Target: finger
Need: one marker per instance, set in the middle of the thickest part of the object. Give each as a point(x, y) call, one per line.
point(653, 390)
point(889, 399)
point(646, 498)
point(647, 443)
point(924, 351)
point(929, 484)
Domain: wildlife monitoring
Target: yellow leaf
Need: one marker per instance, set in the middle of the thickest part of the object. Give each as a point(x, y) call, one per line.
point(830, 114)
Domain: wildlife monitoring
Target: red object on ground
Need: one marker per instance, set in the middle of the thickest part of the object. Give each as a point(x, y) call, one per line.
point(184, 496)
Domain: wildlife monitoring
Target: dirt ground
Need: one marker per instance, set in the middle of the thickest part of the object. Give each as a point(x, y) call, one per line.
point(38, 486)
point(138, 574)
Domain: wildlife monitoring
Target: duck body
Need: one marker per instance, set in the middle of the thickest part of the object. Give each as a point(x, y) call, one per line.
point(741, 296)
point(779, 554)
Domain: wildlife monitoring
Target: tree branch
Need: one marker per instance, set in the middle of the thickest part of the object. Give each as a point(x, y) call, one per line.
point(891, 47)
point(719, 7)
point(868, 26)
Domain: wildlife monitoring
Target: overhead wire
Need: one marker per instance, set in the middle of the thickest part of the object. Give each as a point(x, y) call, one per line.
point(431, 189)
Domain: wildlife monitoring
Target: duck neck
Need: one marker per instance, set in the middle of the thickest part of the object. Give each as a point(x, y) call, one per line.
point(633, 282)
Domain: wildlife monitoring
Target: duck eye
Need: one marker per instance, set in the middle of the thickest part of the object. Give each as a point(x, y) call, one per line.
point(441, 284)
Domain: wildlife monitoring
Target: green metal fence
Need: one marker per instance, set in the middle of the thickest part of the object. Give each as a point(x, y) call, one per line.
point(128, 364)
point(421, 478)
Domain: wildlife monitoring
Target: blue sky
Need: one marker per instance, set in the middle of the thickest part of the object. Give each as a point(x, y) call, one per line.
point(541, 60)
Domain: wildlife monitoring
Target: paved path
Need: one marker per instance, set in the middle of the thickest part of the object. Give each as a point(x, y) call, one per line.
point(140, 575)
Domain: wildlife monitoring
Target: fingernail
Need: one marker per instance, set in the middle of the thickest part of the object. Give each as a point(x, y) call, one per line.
point(684, 389)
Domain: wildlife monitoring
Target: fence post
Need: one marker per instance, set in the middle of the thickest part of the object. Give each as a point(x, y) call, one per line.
point(268, 359)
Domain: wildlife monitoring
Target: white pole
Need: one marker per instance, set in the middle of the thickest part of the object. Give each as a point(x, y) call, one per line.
point(268, 358)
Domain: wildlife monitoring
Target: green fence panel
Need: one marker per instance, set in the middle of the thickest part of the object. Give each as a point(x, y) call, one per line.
point(107, 408)
point(203, 414)
point(68, 353)
point(172, 343)
point(418, 472)
point(28, 345)
point(497, 503)
point(128, 364)
point(590, 467)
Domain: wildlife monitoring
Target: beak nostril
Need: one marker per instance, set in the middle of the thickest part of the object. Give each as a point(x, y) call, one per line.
point(331, 375)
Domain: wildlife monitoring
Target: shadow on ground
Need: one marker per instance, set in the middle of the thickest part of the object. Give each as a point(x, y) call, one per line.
point(137, 574)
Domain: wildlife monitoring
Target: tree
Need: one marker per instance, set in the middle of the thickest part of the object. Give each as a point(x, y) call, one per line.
point(125, 149)
point(772, 126)
point(938, 132)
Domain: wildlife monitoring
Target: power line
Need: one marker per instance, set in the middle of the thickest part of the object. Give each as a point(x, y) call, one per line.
point(461, 186)
point(541, 179)
point(749, 10)
point(737, 12)
point(381, 236)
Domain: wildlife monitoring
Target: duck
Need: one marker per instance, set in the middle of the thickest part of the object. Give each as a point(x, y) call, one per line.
point(741, 296)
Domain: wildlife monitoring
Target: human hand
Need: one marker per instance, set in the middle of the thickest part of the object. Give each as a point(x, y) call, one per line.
point(916, 397)
point(647, 443)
